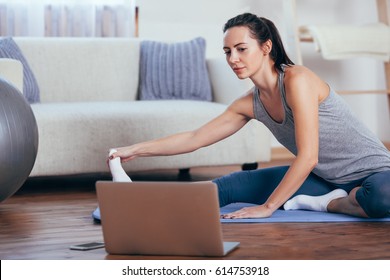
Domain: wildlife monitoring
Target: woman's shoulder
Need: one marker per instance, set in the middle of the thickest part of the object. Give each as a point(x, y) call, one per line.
point(292, 72)
point(296, 75)
point(301, 80)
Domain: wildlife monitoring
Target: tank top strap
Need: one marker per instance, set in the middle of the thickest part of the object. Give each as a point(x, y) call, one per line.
point(256, 103)
point(282, 89)
point(281, 79)
point(283, 66)
point(281, 74)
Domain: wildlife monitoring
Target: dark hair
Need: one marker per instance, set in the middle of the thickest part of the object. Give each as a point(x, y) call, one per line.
point(262, 29)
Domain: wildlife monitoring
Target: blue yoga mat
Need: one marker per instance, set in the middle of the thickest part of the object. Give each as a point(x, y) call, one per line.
point(295, 216)
point(281, 216)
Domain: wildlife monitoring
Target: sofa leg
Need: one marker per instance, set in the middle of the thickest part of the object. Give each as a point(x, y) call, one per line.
point(250, 166)
point(184, 174)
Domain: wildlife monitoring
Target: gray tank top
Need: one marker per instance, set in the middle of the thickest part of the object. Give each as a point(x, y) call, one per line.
point(348, 150)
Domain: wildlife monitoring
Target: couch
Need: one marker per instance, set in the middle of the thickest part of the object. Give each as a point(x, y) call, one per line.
point(89, 102)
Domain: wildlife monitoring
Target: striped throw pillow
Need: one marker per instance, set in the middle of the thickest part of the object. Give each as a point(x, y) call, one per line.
point(174, 71)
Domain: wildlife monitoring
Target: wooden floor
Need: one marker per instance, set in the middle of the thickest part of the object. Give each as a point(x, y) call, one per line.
point(47, 216)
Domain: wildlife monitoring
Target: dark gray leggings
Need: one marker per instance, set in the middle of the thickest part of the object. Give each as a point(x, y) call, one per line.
point(255, 186)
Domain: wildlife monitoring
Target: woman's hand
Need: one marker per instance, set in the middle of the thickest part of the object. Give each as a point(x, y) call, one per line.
point(124, 153)
point(260, 211)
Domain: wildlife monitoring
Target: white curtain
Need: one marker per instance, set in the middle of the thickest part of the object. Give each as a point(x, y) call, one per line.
point(77, 18)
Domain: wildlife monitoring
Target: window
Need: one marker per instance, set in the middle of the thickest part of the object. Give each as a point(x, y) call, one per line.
point(79, 18)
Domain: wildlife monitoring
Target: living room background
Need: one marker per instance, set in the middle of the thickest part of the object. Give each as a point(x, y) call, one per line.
point(179, 20)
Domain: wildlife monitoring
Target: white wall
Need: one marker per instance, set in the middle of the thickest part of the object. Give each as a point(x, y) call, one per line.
point(178, 20)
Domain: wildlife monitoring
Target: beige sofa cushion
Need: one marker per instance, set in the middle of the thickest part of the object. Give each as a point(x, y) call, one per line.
point(86, 69)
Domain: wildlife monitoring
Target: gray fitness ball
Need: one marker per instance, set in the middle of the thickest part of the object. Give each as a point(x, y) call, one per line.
point(18, 139)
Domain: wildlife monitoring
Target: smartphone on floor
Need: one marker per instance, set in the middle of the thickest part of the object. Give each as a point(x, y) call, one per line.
point(87, 246)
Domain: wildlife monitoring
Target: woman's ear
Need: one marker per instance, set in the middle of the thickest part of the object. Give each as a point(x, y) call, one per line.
point(266, 47)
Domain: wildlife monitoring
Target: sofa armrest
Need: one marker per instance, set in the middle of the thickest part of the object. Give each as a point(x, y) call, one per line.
point(225, 84)
point(12, 71)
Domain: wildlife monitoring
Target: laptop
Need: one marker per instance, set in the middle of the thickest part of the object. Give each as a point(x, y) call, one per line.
point(161, 218)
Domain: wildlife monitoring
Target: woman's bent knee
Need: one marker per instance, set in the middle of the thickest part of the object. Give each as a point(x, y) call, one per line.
point(374, 196)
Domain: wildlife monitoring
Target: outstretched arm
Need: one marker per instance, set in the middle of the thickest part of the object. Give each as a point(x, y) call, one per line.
point(226, 124)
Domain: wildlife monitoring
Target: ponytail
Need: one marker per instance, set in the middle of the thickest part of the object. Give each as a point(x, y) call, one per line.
point(262, 29)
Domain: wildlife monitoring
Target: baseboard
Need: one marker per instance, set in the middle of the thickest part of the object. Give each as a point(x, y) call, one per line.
point(281, 153)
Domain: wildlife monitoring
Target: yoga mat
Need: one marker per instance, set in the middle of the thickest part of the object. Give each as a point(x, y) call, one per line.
point(295, 216)
point(281, 216)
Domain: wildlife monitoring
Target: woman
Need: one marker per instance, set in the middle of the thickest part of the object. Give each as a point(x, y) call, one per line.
point(340, 166)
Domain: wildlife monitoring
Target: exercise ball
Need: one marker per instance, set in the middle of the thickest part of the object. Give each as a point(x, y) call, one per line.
point(18, 139)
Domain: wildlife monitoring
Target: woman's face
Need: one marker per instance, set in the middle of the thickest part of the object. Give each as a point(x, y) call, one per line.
point(243, 53)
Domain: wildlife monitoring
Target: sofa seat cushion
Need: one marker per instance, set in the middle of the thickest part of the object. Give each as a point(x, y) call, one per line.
point(94, 127)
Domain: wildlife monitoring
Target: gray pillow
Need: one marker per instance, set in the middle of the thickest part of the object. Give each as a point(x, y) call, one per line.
point(174, 71)
point(9, 49)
